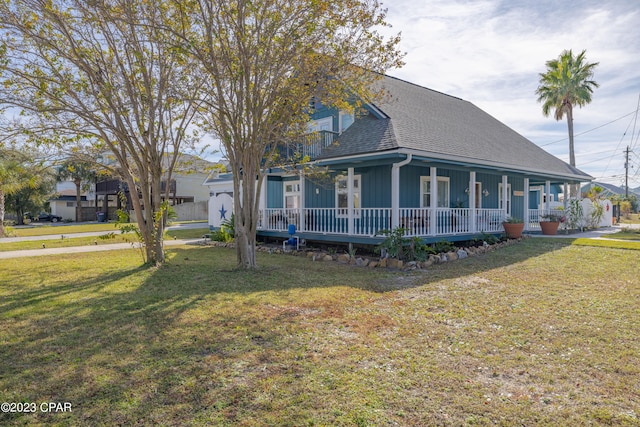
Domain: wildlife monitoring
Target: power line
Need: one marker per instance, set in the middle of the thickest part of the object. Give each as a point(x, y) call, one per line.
point(621, 139)
point(633, 145)
point(590, 130)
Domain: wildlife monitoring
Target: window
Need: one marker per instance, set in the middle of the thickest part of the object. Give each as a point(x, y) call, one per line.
point(500, 201)
point(346, 120)
point(342, 196)
point(321, 124)
point(291, 194)
point(443, 191)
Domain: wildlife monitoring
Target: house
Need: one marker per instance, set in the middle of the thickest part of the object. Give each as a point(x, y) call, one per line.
point(64, 205)
point(187, 197)
point(609, 190)
point(434, 164)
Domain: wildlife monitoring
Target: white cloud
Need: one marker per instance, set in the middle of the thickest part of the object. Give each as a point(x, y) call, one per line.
point(491, 52)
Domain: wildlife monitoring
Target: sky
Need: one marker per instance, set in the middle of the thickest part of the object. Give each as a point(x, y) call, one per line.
point(491, 52)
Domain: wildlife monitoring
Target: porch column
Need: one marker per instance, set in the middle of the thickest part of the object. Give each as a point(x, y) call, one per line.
point(262, 203)
point(350, 227)
point(302, 202)
point(565, 201)
point(395, 197)
point(433, 201)
point(504, 195)
point(395, 190)
point(526, 203)
point(547, 202)
point(472, 201)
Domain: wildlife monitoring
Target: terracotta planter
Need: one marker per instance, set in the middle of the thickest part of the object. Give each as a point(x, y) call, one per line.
point(513, 230)
point(549, 228)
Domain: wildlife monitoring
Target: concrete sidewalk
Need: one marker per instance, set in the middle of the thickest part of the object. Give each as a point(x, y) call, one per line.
point(589, 234)
point(115, 230)
point(28, 253)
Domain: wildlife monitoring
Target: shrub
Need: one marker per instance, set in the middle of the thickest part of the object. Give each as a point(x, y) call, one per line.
point(443, 246)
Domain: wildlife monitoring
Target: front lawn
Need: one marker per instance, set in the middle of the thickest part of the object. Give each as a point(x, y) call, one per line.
point(625, 234)
point(539, 333)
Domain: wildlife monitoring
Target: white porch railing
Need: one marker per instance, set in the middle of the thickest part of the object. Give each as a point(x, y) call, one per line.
point(535, 215)
point(372, 221)
point(489, 220)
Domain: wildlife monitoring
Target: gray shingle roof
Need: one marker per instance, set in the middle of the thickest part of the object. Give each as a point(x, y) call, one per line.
point(444, 127)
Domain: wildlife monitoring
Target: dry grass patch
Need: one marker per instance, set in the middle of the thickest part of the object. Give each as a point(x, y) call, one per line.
point(539, 333)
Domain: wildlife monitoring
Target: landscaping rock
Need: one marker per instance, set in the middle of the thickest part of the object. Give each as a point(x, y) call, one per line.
point(362, 262)
point(427, 263)
point(373, 264)
point(327, 258)
point(383, 263)
point(344, 259)
point(392, 263)
point(452, 256)
point(462, 254)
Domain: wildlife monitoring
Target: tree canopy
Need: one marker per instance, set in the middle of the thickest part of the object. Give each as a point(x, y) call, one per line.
point(103, 71)
point(567, 82)
point(262, 62)
point(133, 76)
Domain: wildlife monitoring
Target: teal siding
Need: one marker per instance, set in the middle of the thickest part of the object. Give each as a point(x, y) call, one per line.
point(376, 186)
point(322, 112)
point(275, 194)
point(319, 194)
point(517, 202)
point(375, 191)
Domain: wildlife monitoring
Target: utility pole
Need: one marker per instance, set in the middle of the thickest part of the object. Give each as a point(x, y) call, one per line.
point(626, 174)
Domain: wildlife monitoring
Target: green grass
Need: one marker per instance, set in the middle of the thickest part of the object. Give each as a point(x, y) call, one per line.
point(188, 233)
point(632, 219)
point(47, 229)
point(44, 230)
point(540, 333)
point(66, 243)
point(625, 234)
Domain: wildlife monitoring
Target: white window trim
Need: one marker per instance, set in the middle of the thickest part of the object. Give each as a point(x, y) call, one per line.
point(509, 204)
point(316, 125)
point(343, 212)
point(446, 179)
point(341, 120)
point(294, 193)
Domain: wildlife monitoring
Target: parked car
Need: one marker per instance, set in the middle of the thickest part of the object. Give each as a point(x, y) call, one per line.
point(43, 216)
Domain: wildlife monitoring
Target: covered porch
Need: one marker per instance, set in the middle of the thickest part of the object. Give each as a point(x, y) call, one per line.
point(368, 199)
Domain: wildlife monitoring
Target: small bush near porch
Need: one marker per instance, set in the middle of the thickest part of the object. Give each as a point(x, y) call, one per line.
point(540, 333)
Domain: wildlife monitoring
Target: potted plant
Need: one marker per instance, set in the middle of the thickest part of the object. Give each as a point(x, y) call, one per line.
point(549, 223)
point(513, 227)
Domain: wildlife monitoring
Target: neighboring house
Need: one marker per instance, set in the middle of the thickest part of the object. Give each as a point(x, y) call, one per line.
point(609, 190)
point(64, 203)
point(187, 197)
point(431, 163)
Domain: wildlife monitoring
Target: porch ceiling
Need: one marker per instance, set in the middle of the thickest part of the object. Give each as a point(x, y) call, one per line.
point(536, 177)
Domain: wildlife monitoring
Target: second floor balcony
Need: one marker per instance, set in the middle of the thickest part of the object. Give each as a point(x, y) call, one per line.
point(311, 146)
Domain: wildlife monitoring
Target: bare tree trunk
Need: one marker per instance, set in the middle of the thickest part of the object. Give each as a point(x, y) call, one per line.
point(573, 188)
point(245, 219)
point(78, 183)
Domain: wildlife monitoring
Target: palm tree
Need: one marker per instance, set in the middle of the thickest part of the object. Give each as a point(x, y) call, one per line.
point(80, 173)
point(566, 83)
